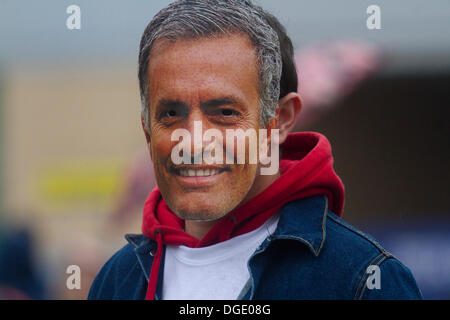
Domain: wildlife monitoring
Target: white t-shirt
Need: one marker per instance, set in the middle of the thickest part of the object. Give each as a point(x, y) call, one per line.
point(217, 272)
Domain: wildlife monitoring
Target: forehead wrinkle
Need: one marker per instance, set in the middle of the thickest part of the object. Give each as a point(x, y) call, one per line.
point(169, 52)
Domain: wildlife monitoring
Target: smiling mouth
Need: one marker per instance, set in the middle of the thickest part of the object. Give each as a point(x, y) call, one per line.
point(199, 172)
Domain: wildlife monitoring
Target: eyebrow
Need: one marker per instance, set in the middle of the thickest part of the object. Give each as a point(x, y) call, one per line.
point(214, 103)
point(168, 103)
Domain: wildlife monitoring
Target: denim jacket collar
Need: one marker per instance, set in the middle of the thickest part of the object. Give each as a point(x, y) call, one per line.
point(304, 220)
point(144, 249)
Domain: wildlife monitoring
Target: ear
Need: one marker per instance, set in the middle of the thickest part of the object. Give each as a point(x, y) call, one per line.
point(287, 113)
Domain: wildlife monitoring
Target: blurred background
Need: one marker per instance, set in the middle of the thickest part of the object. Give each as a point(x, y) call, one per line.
point(74, 171)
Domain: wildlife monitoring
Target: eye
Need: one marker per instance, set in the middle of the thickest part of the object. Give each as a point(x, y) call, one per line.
point(228, 112)
point(171, 113)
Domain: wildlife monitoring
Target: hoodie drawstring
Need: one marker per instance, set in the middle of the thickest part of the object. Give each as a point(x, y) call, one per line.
point(153, 279)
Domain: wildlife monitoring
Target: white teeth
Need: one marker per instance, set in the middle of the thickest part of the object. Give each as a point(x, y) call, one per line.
point(198, 173)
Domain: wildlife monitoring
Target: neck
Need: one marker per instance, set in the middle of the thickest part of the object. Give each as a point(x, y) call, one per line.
point(199, 229)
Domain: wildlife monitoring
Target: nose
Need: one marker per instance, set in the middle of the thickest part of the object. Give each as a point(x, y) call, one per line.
point(195, 125)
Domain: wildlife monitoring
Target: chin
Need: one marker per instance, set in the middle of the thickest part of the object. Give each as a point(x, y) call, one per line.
point(201, 211)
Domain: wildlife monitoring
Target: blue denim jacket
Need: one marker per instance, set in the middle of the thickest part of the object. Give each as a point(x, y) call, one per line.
point(312, 254)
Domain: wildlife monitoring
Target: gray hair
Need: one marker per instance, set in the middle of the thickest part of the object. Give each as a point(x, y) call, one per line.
point(191, 19)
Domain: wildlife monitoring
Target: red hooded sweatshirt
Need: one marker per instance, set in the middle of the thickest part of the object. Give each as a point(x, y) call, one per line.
point(306, 169)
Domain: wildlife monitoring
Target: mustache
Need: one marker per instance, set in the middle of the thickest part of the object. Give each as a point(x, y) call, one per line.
point(197, 166)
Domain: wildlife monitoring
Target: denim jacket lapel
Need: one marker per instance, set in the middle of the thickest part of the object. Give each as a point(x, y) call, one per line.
point(145, 249)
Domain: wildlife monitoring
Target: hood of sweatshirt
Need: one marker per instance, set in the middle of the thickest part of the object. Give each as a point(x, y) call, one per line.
point(306, 169)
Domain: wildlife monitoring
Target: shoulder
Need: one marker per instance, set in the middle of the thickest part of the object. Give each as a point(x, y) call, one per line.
point(112, 277)
point(374, 273)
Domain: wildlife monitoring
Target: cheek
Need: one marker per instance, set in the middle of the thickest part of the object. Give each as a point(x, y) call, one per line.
point(243, 182)
point(160, 147)
point(250, 171)
point(242, 149)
